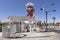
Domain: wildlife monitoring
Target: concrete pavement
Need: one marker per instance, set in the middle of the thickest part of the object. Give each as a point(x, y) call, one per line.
point(35, 36)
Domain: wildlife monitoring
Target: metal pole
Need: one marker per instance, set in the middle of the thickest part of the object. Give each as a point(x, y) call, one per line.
point(46, 22)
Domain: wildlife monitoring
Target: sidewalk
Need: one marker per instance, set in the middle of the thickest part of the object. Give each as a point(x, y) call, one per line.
point(41, 34)
point(33, 36)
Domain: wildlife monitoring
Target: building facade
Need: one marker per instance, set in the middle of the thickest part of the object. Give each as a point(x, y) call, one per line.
point(16, 24)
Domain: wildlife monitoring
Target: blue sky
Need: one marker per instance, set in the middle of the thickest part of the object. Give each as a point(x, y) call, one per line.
point(17, 8)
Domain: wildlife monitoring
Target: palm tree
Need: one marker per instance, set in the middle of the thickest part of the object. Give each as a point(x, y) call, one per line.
point(54, 21)
point(39, 24)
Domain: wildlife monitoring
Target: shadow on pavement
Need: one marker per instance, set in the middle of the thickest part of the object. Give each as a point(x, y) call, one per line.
point(28, 37)
point(37, 37)
point(57, 31)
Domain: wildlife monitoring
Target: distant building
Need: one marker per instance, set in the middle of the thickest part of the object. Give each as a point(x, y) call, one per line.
point(58, 24)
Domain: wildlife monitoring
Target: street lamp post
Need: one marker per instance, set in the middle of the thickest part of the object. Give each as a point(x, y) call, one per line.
point(46, 12)
point(46, 20)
